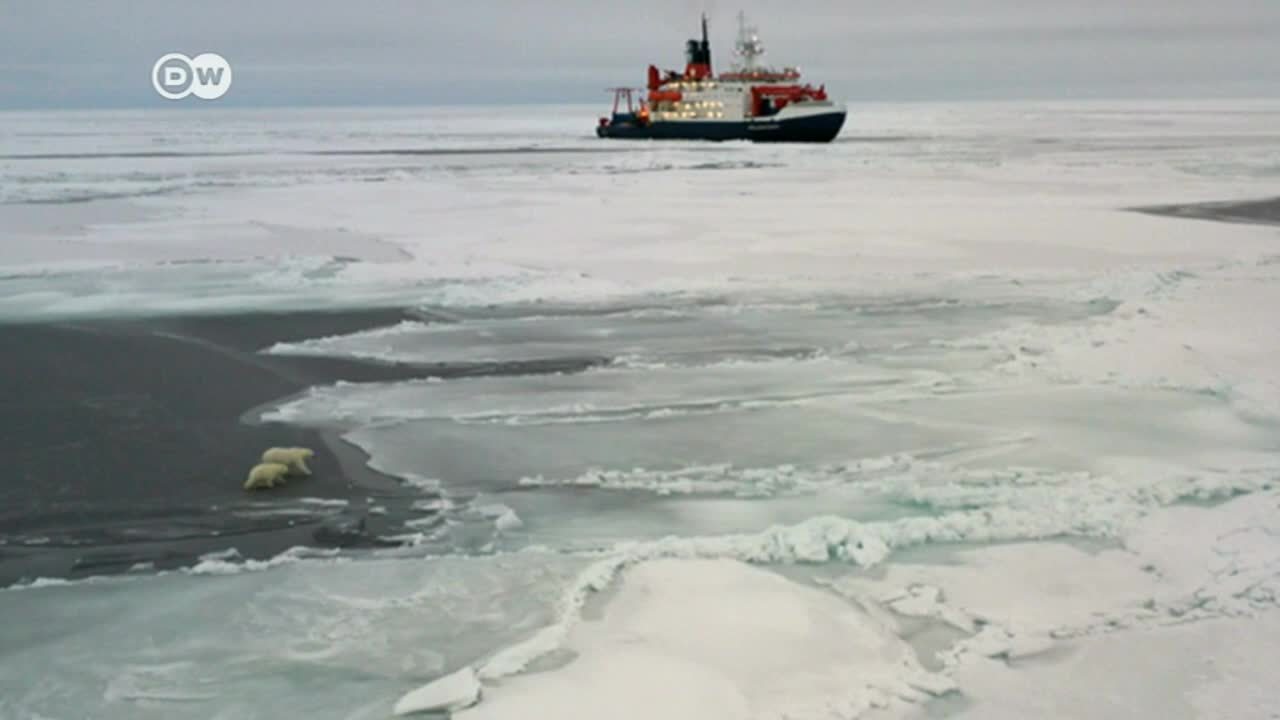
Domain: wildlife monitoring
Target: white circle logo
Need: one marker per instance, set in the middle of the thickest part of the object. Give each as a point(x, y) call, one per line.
point(207, 76)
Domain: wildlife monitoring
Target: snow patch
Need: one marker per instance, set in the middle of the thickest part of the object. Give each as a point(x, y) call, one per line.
point(452, 692)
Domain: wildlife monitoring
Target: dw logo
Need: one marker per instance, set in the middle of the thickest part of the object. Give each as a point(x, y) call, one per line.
point(207, 76)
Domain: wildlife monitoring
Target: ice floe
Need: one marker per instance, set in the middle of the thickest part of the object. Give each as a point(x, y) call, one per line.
point(707, 639)
point(995, 512)
point(695, 624)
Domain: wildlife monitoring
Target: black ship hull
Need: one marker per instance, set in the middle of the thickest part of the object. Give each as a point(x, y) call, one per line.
point(817, 128)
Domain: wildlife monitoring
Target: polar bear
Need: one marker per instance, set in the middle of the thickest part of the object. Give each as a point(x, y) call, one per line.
point(295, 458)
point(266, 475)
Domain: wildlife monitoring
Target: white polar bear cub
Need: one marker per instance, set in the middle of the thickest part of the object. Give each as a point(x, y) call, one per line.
point(266, 475)
point(295, 458)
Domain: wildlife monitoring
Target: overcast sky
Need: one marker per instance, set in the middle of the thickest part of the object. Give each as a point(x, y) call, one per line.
point(63, 53)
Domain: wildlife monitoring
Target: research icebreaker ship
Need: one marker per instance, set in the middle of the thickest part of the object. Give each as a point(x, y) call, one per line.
point(750, 102)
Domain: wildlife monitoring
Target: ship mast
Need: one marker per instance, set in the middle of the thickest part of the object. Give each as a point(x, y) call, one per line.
point(748, 47)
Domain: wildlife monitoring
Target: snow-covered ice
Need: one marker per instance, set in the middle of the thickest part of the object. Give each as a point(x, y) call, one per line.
point(689, 637)
point(703, 639)
point(923, 423)
point(455, 691)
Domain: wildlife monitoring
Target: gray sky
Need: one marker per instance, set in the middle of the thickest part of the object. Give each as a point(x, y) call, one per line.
point(60, 53)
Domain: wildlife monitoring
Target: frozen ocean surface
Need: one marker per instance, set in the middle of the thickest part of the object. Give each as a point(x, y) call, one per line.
point(923, 423)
